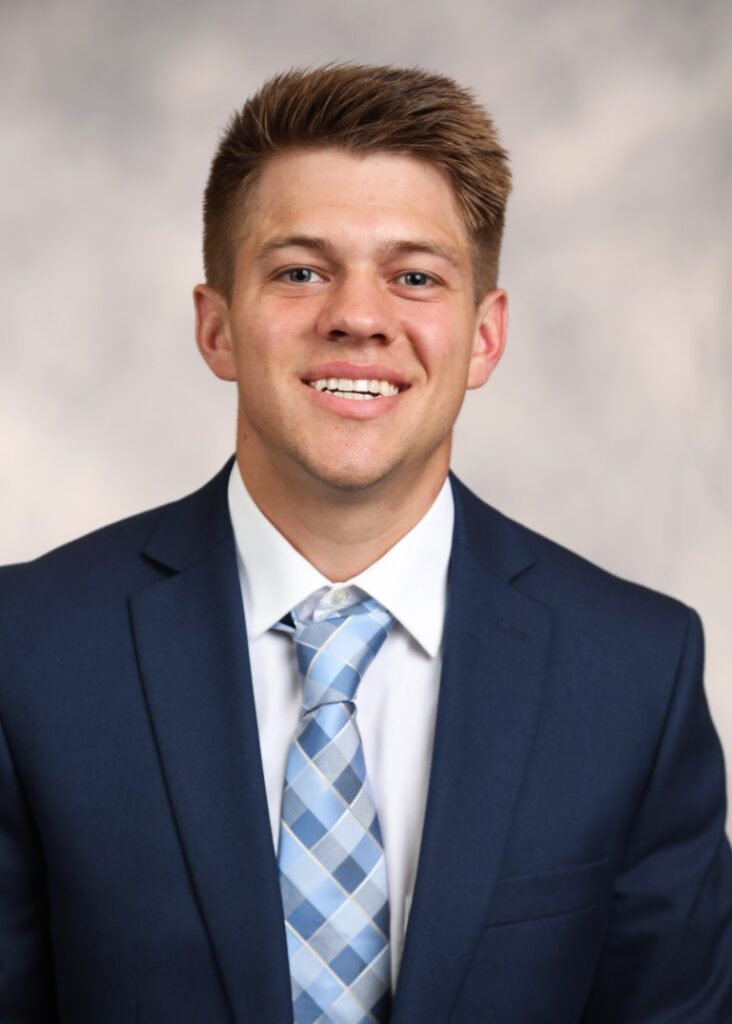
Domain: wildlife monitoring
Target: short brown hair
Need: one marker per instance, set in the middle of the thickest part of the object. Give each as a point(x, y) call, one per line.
point(362, 109)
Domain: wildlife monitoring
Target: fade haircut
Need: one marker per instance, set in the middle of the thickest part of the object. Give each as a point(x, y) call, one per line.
point(361, 109)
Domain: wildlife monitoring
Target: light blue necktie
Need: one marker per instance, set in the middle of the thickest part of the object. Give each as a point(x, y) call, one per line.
point(331, 857)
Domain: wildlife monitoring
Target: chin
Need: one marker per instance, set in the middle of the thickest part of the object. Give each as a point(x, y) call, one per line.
point(348, 477)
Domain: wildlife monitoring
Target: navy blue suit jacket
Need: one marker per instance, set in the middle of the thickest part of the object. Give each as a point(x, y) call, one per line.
point(573, 865)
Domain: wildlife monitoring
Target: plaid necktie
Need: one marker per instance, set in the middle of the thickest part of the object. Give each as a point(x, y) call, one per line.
point(331, 857)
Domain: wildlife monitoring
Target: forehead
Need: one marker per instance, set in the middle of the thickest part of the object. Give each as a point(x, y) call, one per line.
point(349, 197)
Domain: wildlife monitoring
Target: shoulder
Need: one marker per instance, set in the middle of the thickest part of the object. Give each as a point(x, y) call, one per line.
point(115, 559)
point(584, 596)
point(618, 653)
point(59, 601)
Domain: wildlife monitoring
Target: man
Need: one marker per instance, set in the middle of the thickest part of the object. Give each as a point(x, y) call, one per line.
point(330, 739)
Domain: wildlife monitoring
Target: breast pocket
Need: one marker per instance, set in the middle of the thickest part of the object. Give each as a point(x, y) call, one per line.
point(566, 891)
point(538, 949)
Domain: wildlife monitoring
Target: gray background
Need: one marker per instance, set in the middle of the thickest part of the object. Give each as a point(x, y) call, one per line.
point(607, 425)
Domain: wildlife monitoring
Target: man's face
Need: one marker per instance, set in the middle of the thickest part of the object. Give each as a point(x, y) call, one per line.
point(353, 279)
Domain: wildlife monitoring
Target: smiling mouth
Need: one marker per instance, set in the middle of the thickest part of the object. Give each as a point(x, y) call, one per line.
point(357, 390)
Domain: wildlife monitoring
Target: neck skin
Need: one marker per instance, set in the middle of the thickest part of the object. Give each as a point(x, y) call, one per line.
point(343, 532)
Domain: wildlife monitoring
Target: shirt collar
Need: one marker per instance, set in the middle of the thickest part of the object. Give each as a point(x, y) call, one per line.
point(410, 579)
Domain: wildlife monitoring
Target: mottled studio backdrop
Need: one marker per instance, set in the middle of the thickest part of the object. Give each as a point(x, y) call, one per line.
point(607, 426)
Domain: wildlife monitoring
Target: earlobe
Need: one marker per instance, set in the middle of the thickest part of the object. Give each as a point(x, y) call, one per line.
point(490, 337)
point(212, 331)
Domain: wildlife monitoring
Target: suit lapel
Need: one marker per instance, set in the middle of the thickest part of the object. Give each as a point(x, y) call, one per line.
point(494, 651)
point(191, 642)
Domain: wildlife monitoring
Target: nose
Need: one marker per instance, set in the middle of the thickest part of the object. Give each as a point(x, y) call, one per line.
point(356, 309)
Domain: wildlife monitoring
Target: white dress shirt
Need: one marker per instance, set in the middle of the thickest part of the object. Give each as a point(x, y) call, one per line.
point(396, 700)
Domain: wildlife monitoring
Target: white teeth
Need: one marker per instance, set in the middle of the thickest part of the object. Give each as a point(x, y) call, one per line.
point(361, 388)
point(353, 395)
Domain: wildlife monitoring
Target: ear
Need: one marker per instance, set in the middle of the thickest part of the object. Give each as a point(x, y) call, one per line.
point(212, 331)
point(490, 337)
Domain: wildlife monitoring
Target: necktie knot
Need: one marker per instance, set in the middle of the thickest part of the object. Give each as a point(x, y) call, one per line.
point(334, 652)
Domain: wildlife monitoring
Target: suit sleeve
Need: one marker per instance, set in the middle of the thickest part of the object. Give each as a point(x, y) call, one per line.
point(668, 952)
point(26, 989)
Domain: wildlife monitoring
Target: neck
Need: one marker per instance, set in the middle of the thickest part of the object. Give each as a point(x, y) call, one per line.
point(342, 532)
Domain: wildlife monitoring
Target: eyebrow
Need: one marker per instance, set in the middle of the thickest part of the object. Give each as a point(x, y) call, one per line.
point(394, 247)
point(424, 245)
point(295, 242)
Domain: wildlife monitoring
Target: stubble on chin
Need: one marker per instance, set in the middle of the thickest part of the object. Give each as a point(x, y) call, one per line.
point(349, 478)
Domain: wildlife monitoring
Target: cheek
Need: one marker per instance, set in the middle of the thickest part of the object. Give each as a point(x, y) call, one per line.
point(272, 328)
point(443, 348)
point(257, 341)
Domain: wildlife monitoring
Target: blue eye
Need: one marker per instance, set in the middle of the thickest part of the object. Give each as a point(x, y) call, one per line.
point(416, 278)
point(300, 275)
